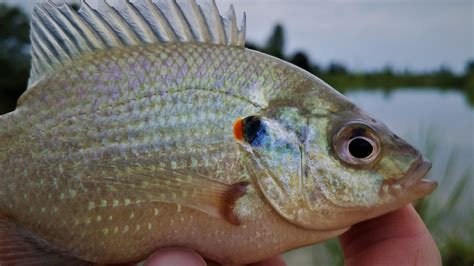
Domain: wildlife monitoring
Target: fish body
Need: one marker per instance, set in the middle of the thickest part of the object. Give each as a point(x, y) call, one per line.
point(116, 152)
point(109, 117)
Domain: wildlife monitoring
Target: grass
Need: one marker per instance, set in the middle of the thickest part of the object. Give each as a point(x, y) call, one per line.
point(448, 214)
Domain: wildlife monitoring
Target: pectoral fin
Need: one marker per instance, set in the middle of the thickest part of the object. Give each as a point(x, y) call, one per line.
point(172, 186)
point(17, 247)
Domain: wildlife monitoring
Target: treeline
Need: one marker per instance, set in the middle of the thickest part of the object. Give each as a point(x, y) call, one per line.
point(386, 79)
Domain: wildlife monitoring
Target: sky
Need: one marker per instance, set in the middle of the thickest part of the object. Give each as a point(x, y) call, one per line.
point(418, 35)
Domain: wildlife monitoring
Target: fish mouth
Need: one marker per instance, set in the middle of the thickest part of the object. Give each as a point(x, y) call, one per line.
point(413, 182)
point(417, 171)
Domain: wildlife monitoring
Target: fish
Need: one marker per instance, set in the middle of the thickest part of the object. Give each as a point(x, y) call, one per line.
point(148, 124)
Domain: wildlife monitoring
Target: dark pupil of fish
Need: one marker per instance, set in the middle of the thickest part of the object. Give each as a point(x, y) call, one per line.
point(360, 148)
point(254, 130)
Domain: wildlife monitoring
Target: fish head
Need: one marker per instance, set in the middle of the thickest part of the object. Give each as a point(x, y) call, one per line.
point(357, 169)
point(325, 164)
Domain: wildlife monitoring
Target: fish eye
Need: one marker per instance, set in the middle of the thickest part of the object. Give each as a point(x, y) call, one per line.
point(360, 147)
point(356, 144)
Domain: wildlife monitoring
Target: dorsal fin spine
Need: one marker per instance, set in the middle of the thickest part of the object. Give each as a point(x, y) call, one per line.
point(161, 22)
point(60, 34)
point(64, 23)
point(92, 18)
point(57, 52)
point(233, 28)
point(242, 31)
point(38, 64)
point(219, 27)
point(56, 27)
point(183, 23)
point(91, 40)
point(46, 54)
point(115, 21)
point(203, 27)
point(148, 35)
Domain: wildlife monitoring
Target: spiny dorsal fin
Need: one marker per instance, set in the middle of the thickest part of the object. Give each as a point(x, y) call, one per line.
point(60, 34)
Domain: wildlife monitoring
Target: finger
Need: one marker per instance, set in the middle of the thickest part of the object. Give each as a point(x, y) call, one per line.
point(275, 261)
point(397, 238)
point(175, 256)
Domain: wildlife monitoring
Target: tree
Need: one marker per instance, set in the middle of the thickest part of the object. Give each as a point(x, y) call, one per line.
point(301, 59)
point(276, 43)
point(470, 66)
point(337, 68)
point(469, 81)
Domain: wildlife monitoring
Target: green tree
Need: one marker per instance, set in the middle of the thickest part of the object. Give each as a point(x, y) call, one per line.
point(276, 43)
point(301, 59)
point(469, 81)
point(337, 69)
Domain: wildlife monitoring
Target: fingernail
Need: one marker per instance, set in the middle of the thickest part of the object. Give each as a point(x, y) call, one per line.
point(175, 257)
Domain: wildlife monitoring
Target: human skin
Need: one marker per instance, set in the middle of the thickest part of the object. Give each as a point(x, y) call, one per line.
point(397, 238)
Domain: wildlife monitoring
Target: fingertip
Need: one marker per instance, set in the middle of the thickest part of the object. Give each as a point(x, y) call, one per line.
point(404, 221)
point(175, 256)
point(397, 238)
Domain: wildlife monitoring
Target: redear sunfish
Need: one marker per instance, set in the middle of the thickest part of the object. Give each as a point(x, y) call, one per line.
point(148, 124)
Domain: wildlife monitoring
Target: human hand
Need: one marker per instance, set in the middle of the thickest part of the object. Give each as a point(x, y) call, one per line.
point(180, 256)
point(397, 238)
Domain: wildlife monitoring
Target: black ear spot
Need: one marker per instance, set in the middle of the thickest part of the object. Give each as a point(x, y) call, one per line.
point(254, 130)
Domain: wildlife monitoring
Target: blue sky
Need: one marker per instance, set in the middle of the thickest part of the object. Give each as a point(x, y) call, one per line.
point(364, 34)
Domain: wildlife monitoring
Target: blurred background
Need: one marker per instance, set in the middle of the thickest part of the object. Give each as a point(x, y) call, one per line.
point(409, 63)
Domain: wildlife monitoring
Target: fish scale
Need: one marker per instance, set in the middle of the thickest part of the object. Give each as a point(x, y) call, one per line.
point(162, 113)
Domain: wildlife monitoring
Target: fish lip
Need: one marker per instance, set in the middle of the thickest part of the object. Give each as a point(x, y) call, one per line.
point(414, 181)
point(417, 171)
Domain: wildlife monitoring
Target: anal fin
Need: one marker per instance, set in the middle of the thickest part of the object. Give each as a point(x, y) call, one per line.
point(17, 249)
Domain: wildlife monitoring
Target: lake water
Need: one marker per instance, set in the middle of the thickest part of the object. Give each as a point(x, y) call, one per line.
point(441, 125)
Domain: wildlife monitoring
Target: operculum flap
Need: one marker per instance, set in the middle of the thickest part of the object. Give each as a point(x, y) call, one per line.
point(289, 199)
point(276, 164)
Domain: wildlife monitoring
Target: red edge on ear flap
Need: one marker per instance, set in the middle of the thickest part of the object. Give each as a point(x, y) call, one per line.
point(238, 130)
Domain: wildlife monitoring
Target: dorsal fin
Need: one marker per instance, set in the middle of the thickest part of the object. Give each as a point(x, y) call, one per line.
point(59, 34)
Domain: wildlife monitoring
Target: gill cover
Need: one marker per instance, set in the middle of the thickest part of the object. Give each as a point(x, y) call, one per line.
point(275, 157)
